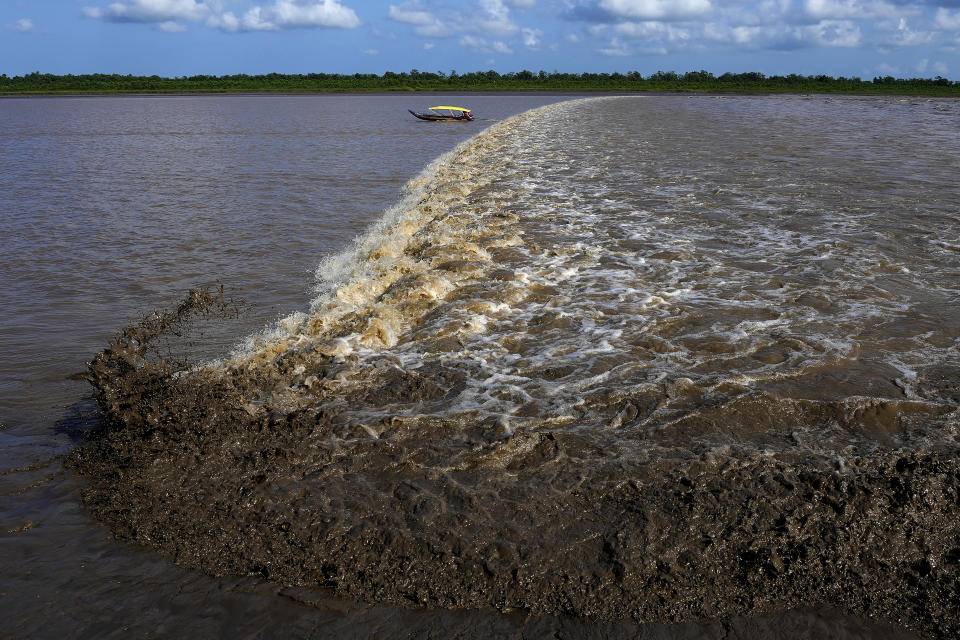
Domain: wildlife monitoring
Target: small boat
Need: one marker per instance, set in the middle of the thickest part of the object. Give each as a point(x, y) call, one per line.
point(444, 113)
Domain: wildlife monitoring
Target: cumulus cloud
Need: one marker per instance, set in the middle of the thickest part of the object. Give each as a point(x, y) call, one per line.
point(494, 18)
point(282, 14)
point(531, 37)
point(899, 33)
point(656, 9)
point(649, 36)
point(832, 33)
point(290, 14)
point(653, 30)
point(485, 26)
point(150, 11)
point(411, 13)
point(779, 35)
point(611, 27)
point(662, 26)
point(836, 9)
point(885, 69)
point(482, 45)
point(616, 48)
point(753, 36)
point(947, 20)
point(172, 27)
point(425, 22)
point(438, 19)
point(23, 25)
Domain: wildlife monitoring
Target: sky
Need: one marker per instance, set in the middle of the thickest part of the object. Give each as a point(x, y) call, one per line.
point(863, 38)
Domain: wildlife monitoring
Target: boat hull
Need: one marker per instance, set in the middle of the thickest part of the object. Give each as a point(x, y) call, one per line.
point(430, 116)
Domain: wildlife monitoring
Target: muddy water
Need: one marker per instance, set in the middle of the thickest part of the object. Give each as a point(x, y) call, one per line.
point(649, 359)
point(709, 254)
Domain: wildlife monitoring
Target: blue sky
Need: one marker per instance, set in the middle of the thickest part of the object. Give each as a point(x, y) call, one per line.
point(863, 38)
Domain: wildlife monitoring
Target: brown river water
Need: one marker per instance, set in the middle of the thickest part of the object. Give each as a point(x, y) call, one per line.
point(672, 367)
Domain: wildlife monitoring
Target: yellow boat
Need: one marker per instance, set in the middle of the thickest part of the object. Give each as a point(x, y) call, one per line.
point(443, 112)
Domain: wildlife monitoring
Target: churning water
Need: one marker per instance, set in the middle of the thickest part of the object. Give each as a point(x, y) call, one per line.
point(659, 358)
point(716, 258)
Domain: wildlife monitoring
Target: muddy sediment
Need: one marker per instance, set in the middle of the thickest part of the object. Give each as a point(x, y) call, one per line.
point(437, 514)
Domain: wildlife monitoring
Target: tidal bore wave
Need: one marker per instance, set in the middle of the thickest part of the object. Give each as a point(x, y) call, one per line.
point(615, 375)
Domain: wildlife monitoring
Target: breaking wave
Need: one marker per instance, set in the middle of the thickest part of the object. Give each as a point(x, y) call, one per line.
point(614, 357)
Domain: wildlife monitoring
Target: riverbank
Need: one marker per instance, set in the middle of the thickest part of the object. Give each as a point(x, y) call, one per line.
point(487, 81)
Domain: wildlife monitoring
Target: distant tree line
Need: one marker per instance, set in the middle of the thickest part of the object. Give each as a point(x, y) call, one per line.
point(415, 80)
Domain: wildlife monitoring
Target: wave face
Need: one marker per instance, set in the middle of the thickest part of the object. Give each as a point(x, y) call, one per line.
point(660, 358)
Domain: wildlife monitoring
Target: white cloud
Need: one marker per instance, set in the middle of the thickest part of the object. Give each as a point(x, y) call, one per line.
point(887, 70)
point(254, 20)
point(531, 37)
point(23, 25)
point(150, 11)
point(902, 35)
point(598, 30)
point(474, 42)
point(784, 25)
point(425, 22)
point(442, 20)
point(653, 30)
point(946, 20)
point(657, 9)
point(856, 9)
point(494, 18)
point(767, 8)
point(835, 9)
point(832, 33)
point(291, 14)
point(172, 27)
point(779, 35)
point(437, 29)
point(616, 49)
point(226, 21)
point(924, 65)
point(282, 14)
point(482, 45)
point(751, 36)
point(371, 52)
point(411, 13)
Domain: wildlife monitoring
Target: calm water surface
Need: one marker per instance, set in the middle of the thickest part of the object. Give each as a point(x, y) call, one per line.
point(695, 248)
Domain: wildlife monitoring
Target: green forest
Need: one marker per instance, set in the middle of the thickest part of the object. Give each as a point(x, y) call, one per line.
point(414, 80)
